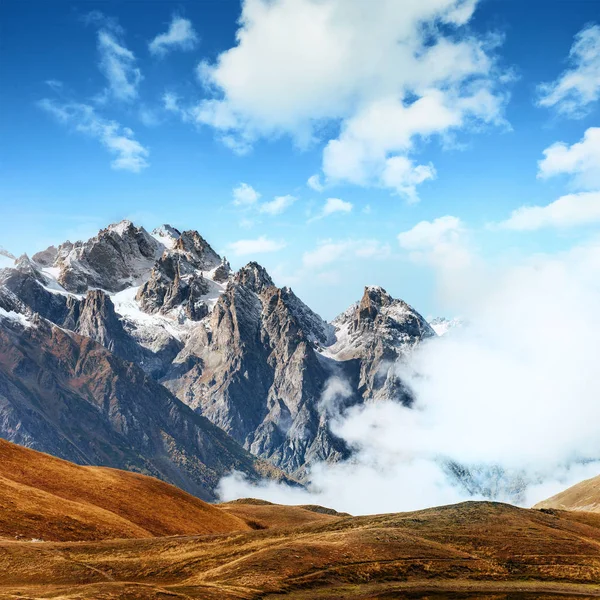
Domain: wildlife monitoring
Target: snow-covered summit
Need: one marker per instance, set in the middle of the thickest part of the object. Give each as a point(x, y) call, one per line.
point(166, 235)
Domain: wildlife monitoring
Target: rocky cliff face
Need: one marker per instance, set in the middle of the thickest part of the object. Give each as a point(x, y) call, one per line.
point(374, 334)
point(118, 257)
point(250, 357)
point(65, 394)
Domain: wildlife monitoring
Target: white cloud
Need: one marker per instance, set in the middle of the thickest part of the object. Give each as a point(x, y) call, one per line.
point(513, 397)
point(180, 35)
point(332, 206)
point(314, 182)
point(568, 211)
point(581, 161)
point(118, 64)
point(579, 86)
point(277, 205)
point(130, 155)
point(335, 205)
point(389, 76)
point(403, 176)
point(442, 243)
point(427, 234)
point(245, 195)
point(261, 245)
point(329, 251)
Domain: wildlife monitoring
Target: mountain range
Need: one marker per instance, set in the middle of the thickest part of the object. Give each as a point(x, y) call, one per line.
point(146, 351)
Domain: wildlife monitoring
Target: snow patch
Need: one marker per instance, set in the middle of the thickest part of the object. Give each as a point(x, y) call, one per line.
point(15, 317)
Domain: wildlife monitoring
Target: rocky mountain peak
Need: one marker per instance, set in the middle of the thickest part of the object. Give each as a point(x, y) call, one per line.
point(197, 251)
point(254, 277)
point(166, 235)
point(374, 298)
point(46, 258)
point(118, 257)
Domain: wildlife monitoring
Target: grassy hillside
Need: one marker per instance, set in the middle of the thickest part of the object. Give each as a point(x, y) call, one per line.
point(43, 497)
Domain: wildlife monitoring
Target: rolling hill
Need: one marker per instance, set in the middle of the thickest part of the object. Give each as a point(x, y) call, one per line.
point(583, 496)
point(46, 498)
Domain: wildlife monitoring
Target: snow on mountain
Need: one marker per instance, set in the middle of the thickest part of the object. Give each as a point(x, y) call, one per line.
point(442, 325)
point(251, 357)
point(166, 235)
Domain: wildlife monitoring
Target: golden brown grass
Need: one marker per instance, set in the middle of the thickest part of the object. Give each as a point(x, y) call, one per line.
point(467, 547)
point(46, 498)
point(584, 496)
point(250, 550)
point(265, 515)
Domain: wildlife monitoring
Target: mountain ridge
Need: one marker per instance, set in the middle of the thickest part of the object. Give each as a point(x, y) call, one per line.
point(248, 355)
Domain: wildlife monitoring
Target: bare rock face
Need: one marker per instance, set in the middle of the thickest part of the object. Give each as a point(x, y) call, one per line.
point(171, 285)
point(257, 374)
point(253, 277)
point(376, 333)
point(65, 394)
point(46, 257)
point(115, 259)
point(176, 280)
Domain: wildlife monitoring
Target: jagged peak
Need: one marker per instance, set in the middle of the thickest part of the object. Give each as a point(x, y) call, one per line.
point(254, 276)
point(166, 234)
point(122, 227)
point(46, 257)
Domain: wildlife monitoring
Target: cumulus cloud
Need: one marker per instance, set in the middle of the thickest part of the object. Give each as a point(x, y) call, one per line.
point(509, 401)
point(568, 211)
point(129, 154)
point(581, 161)
point(245, 195)
point(278, 205)
point(578, 86)
point(179, 36)
point(261, 245)
point(118, 64)
point(389, 77)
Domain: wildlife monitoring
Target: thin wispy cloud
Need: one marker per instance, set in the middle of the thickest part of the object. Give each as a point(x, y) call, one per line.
point(314, 183)
point(568, 211)
point(129, 154)
point(330, 251)
point(333, 206)
point(578, 87)
point(180, 36)
point(278, 205)
point(119, 65)
point(260, 245)
point(580, 161)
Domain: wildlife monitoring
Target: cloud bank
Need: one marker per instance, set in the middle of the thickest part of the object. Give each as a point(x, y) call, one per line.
point(509, 401)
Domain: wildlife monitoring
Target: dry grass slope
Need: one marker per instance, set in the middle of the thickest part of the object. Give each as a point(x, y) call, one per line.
point(582, 496)
point(265, 515)
point(46, 498)
point(478, 546)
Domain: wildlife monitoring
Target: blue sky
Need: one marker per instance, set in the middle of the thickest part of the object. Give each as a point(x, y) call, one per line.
point(422, 122)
